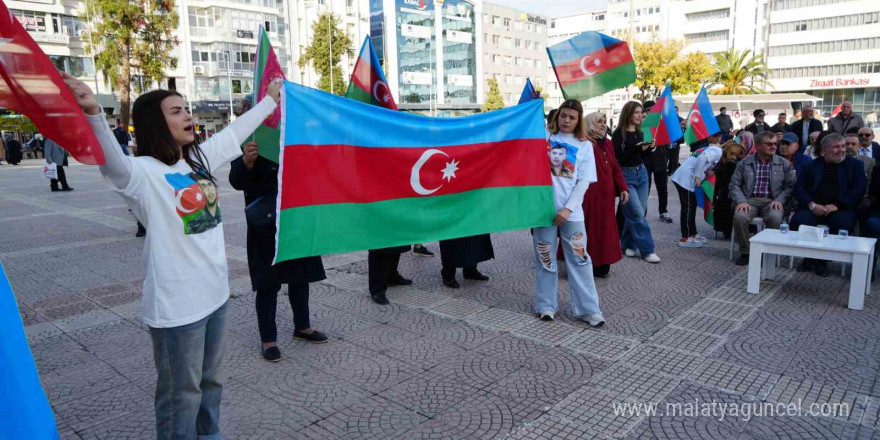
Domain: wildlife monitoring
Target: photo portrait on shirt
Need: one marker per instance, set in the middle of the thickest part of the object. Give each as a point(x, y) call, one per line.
point(562, 159)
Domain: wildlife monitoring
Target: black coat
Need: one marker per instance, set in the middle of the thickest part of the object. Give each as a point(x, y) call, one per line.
point(466, 251)
point(874, 192)
point(797, 127)
point(261, 180)
point(722, 204)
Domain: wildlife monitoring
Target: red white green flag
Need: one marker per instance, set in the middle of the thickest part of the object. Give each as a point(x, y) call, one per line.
point(370, 177)
point(266, 69)
point(701, 121)
point(368, 84)
point(591, 64)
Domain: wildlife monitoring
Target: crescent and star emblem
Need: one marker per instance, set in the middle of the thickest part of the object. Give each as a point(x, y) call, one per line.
point(384, 97)
point(695, 116)
point(180, 196)
point(594, 63)
point(415, 180)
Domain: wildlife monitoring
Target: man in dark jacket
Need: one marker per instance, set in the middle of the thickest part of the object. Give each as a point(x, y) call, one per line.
point(464, 252)
point(258, 178)
point(829, 190)
point(758, 126)
point(58, 156)
point(122, 136)
point(846, 119)
point(804, 126)
point(724, 121)
point(867, 146)
point(781, 124)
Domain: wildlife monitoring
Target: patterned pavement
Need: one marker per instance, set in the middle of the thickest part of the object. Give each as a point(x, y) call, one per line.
point(439, 363)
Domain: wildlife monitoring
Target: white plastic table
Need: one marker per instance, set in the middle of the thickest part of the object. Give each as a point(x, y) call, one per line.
point(856, 250)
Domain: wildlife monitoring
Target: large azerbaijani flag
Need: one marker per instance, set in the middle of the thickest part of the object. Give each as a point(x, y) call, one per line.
point(661, 123)
point(699, 127)
point(354, 176)
point(591, 64)
point(266, 69)
point(368, 84)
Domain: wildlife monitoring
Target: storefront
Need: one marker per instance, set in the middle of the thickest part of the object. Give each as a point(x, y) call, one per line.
point(861, 88)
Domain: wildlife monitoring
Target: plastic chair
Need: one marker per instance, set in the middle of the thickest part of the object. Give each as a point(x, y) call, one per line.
point(757, 222)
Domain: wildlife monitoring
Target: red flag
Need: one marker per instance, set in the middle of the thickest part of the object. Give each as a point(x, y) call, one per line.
point(836, 110)
point(31, 85)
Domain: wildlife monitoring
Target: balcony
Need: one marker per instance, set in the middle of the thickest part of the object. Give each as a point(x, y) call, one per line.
point(45, 37)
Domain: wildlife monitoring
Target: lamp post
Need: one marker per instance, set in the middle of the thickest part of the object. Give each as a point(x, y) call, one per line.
point(229, 79)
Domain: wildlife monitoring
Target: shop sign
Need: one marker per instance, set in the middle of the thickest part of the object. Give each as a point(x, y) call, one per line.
point(840, 82)
point(244, 34)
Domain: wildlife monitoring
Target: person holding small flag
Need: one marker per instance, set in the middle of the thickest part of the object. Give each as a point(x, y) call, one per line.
point(687, 179)
point(170, 186)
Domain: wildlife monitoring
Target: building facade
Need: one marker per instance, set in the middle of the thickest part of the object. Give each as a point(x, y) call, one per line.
point(514, 49)
point(429, 51)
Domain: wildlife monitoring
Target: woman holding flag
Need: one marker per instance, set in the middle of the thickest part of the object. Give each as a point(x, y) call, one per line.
point(170, 186)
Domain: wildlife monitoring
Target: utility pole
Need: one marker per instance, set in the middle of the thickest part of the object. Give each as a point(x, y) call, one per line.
point(229, 78)
point(330, 40)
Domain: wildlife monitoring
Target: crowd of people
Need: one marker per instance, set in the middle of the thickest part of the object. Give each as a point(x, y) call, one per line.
point(600, 180)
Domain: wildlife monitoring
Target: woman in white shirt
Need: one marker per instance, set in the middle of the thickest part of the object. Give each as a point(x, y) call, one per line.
point(171, 188)
point(573, 168)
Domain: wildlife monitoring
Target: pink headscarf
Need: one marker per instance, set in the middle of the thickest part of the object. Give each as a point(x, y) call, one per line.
point(747, 140)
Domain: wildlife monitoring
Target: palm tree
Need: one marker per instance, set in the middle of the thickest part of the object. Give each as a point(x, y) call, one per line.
point(739, 73)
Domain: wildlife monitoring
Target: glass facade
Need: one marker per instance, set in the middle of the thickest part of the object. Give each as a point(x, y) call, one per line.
point(416, 51)
point(459, 52)
point(377, 28)
point(865, 102)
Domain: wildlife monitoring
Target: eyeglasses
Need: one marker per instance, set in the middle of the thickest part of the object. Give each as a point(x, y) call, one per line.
point(865, 135)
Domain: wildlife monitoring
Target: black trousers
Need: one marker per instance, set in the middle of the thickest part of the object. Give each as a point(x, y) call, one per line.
point(448, 273)
point(53, 183)
point(267, 302)
point(672, 156)
point(688, 218)
point(658, 166)
point(381, 268)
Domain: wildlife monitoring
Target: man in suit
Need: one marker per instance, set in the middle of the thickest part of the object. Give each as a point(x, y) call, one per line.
point(804, 126)
point(867, 146)
point(759, 126)
point(829, 190)
point(57, 155)
point(724, 121)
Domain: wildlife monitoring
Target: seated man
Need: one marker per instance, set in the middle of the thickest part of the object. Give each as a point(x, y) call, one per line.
point(851, 142)
point(760, 186)
point(829, 191)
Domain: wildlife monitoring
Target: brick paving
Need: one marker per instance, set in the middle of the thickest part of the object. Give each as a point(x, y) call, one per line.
point(439, 363)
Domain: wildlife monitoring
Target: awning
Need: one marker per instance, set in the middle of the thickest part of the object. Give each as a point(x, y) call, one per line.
point(748, 102)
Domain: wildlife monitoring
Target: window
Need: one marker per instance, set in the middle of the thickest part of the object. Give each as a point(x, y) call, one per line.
point(708, 15)
point(30, 20)
point(779, 5)
point(517, 43)
point(827, 23)
point(76, 66)
point(707, 36)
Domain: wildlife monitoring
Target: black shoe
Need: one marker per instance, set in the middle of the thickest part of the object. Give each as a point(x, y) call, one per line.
point(141, 232)
point(314, 337)
point(380, 299)
point(805, 266)
point(67, 189)
point(54, 189)
point(272, 354)
point(475, 275)
point(399, 281)
point(422, 251)
point(743, 260)
point(821, 268)
point(452, 284)
point(601, 274)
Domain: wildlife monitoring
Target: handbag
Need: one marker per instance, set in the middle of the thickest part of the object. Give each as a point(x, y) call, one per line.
point(260, 214)
point(50, 170)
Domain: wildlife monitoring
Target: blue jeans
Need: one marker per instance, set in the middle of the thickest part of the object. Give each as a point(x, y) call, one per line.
point(636, 233)
point(188, 389)
point(584, 297)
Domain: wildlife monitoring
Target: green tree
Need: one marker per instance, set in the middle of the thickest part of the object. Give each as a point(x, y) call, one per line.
point(739, 73)
point(16, 122)
point(132, 38)
point(494, 100)
point(325, 30)
point(661, 62)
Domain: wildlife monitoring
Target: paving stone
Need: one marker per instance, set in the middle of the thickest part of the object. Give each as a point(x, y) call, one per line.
point(563, 364)
point(600, 345)
point(419, 322)
point(376, 372)
point(516, 350)
point(423, 352)
point(872, 413)
point(350, 282)
point(840, 404)
point(42, 330)
point(841, 366)
point(362, 306)
point(723, 309)
point(457, 308)
point(638, 320)
point(374, 418)
point(663, 360)
point(248, 414)
point(761, 348)
point(429, 394)
point(645, 386)
point(136, 426)
point(498, 319)
point(551, 428)
point(594, 409)
point(381, 337)
point(89, 319)
point(463, 334)
point(59, 352)
point(80, 381)
point(705, 324)
point(737, 379)
point(412, 297)
point(345, 325)
point(530, 384)
point(686, 340)
point(103, 406)
point(476, 369)
point(779, 428)
point(738, 296)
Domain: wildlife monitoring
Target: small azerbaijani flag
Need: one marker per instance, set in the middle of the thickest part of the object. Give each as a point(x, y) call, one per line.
point(401, 178)
point(705, 194)
point(591, 64)
point(661, 124)
point(836, 110)
point(266, 69)
point(699, 127)
point(368, 83)
point(529, 93)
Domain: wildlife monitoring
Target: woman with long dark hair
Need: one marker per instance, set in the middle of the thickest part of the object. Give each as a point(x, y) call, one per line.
point(602, 243)
point(171, 188)
point(630, 150)
point(573, 169)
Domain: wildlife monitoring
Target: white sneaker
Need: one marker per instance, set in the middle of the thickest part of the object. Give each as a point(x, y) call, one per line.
point(653, 258)
point(700, 238)
point(546, 316)
point(632, 253)
point(690, 243)
point(594, 319)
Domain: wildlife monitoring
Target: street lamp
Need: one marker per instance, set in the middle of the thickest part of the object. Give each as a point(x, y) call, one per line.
point(229, 79)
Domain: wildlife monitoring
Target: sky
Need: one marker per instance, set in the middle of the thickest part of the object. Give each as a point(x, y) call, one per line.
point(552, 8)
